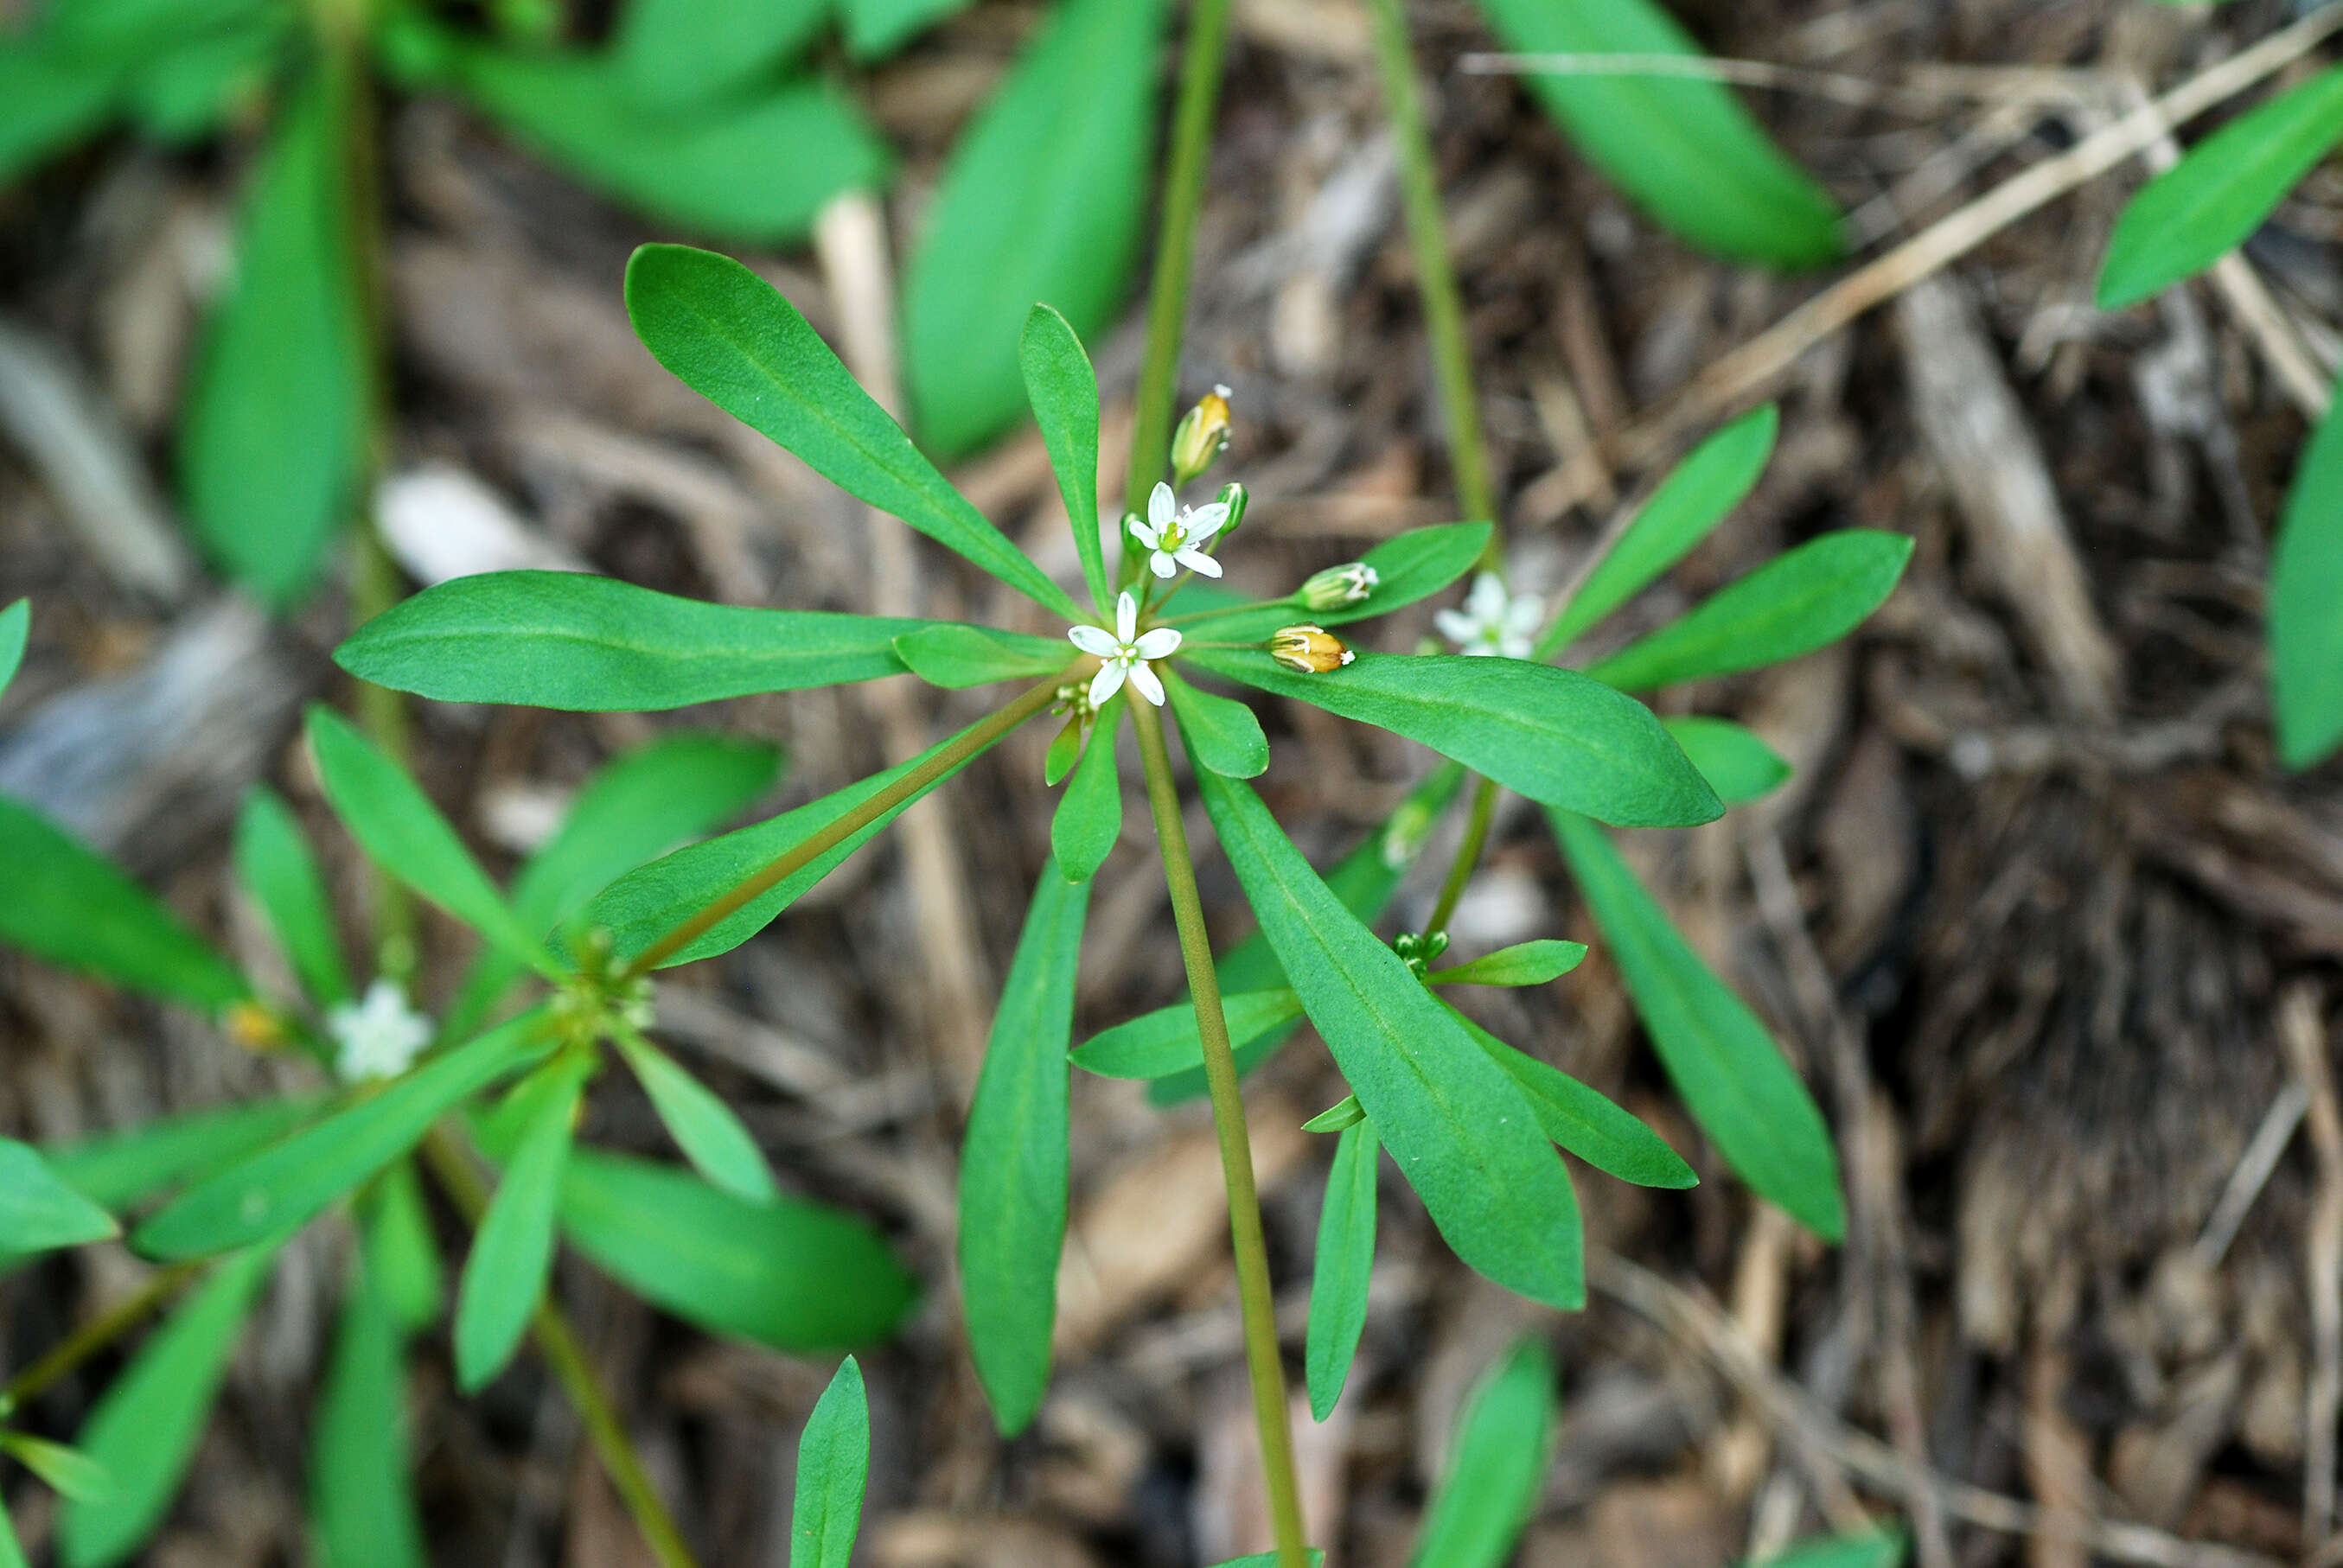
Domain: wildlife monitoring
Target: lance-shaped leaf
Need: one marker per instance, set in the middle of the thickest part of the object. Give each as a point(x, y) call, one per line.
point(2211, 201)
point(1041, 198)
point(400, 1252)
point(121, 1170)
point(70, 1473)
point(1495, 1462)
point(754, 166)
point(12, 1550)
point(69, 905)
point(145, 1428)
point(1413, 566)
point(701, 1124)
point(1013, 1165)
point(1063, 390)
point(38, 1210)
point(875, 28)
point(1585, 1122)
point(597, 645)
point(56, 95)
point(1738, 766)
point(1089, 819)
point(1523, 964)
point(729, 335)
point(1344, 1112)
point(645, 905)
point(1799, 601)
point(674, 55)
point(273, 862)
point(788, 1274)
point(286, 1184)
point(955, 657)
point(1219, 733)
point(833, 1463)
point(512, 1253)
point(1457, 1128)
point(2306, 605)
point(1160, 1043)
point(405, 835)
point(1685, 148)
point(1344, 1259)
point(270, 440)
point(183, 91)
point(361, 1498)
point(1685, 510)
point(16, 624)
point(1717, 1054)
point(1552, 734)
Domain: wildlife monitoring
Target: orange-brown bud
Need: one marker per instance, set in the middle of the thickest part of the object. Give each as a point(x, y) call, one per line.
point(1309, 650)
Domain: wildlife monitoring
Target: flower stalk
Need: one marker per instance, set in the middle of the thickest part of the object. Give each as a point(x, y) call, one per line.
point(65, 1357)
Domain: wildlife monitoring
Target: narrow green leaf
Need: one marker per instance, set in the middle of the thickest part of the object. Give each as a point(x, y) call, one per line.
point(1585, 1122)
point(1065, 750)
point(145, 1428)
point(512, 1253)
point(955, 657)
point(1089, 819)
point(875, 28)
point(400, 1252)
point(1412, 566)
point(729, 337)
point(286, 1183)
point(1800, 600)
point(676, 54)
point(1496, 1460)
point(38, 1210)
point(185, 90)
point(1160, 1043)
point(1717, 1054)
point(120, 1169)
point(1523, 964)
point(1457, 1128)
point(1553, 735)
point(1684, 149)
point(2211, 201)
point(788, 1274)
point(597, 645)
point(2306, 605)
point(69, 905)
point(1041, 198)
point(69, 1472)
point(361, 1501)
point(1685, 510)
point(56, 95)
point(1344, 1112)
point(833, 1462)
point(1864, 1549)
point(16, 624)
point(270, 440)
point(755, 167)
point(1345, 1258)
point(1219, 732)
point(645, 905)
point(701, 1124)
point(405, 835)
point(1737, 764)
point(1063, 390)
point(1012, 1165)
point(273, 862)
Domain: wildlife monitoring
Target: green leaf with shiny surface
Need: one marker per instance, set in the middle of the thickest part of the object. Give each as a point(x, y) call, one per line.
point(1160, 1043)
point(1738, 766)
point(1063, 390)
point(955, 657)
point(706, 1129)
point(833, 1464)
point(512, 1253)
point(1089, 819)
point(39, 1211)
point(1523, 964)
point(1345, 1258)
point(276, 867)
point(1585, 1121)
point(1489, 1487)
point(361, 1501)
point(2306, 605)
point(1217, 732)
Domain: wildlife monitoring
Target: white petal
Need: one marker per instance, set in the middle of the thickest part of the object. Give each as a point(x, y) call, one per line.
point(1524, 613)
point(1158, 642)
point(1477, 650)
point(1197, 560)
point(1455, 624)
point(1143, 681)
point(1160, 505)
point(1512, 645)
point(1094, 640)
point(1126, 618)
point(1145, 533)
point(1487, 599)
point(1107, 681)
point(1206, 521)
point(1161, 564)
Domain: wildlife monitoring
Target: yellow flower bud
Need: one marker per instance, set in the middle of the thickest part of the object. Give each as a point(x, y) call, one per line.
point(1203, 435)
point(1309, 649)
point(252, 1025)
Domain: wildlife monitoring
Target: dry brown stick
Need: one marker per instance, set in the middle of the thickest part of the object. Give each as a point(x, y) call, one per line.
point(1702, 1325)
point(1726, 382)
point(2303, 1035)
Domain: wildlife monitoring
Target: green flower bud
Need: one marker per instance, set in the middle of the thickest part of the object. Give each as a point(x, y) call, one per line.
point(1232, 496)
point(1339, 585)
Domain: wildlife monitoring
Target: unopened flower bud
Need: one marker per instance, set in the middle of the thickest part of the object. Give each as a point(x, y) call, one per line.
point(1203, 435)
point(254, 1025)
point(1309, 649)
point(1339, 585)
point(1233, 496)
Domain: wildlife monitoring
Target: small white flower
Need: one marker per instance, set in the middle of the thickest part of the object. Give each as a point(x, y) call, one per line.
point(1124, 652)
point(379, 1037)
point(1492, 621)
point(1178, 534)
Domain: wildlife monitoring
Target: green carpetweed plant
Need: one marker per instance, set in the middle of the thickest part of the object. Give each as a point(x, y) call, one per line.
point(392, 1097)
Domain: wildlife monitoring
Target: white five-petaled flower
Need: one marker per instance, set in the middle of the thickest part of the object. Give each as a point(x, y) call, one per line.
point(378, 1036)
point(1178, 534)
point(1492, 621)
point(1124, 651)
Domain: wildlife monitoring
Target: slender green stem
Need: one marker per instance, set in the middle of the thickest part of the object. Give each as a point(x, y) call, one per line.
point(1468, 856)
point(1436, 277)
point(459, 1178)
point(1259, 1306)
point(67, 1355)
point(1175, 245)
point(798, 857)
